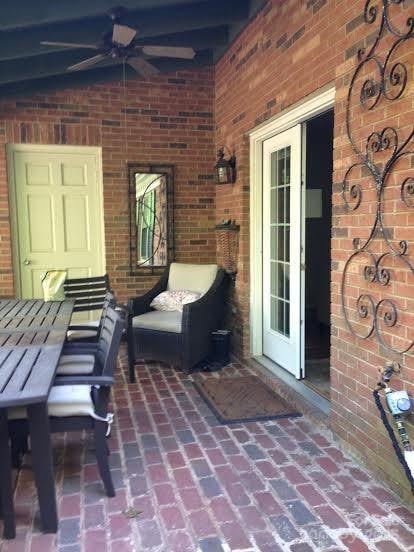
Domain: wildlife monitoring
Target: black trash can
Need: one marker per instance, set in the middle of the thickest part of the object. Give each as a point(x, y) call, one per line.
point(220, 347)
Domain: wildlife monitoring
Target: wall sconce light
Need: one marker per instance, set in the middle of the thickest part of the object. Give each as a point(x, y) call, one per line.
point(225, 169)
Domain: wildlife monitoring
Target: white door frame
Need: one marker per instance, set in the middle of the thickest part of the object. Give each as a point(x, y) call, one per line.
point(11, 149)
point(298, 114)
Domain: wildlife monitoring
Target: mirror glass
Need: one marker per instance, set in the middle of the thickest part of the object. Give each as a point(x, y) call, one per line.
point(151, 220)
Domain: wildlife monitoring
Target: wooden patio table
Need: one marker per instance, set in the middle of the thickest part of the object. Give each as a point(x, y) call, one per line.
point(32, 334)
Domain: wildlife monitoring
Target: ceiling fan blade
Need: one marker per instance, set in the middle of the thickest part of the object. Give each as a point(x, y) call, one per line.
point(69, 45)
point(169, 51)
point(123, 35)
point(142, 66)
point(86, 63)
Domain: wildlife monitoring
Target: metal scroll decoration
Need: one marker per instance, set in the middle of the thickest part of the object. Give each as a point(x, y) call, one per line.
point(383, 174)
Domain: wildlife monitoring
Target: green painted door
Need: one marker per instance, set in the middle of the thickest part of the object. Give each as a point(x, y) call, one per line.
point(58, 214)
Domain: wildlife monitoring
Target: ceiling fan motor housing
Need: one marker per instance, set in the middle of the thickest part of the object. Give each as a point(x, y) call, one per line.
point(116, 13)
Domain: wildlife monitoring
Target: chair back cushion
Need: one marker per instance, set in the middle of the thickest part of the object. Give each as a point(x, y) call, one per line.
point(192, 277)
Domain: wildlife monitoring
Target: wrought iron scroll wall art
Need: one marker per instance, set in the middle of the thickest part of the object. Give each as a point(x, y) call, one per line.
point(382, 176)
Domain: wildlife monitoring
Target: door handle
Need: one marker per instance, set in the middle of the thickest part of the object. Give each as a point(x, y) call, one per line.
point(302, 266)
point(27, 261)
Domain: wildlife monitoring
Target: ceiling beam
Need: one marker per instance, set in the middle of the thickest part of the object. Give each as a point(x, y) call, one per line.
point(82, 79)
point(64, 81)
point(201, 39)
point(35, 68)
point(25, 42)
point(237, 26)
point(23, 69)
point(15, 15)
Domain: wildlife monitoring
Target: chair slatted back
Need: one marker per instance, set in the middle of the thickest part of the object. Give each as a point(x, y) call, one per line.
point(89, 293)
point(109, 341)
point(109, 301)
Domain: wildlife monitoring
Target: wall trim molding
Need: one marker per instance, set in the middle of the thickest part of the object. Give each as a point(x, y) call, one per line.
point(297, 114)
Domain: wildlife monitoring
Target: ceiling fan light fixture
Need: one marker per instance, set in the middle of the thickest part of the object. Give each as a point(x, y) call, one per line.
point(119, 44)
point(123, 35)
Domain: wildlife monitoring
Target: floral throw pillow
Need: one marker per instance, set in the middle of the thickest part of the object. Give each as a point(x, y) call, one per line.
point(174, 300)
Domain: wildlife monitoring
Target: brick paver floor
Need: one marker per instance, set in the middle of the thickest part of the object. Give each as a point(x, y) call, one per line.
point(193, 485)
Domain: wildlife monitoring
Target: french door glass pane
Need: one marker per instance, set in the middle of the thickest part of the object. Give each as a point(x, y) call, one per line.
point(280, 241)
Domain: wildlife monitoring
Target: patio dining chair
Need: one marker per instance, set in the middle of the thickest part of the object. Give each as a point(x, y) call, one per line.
point(82, 358)
point(89, 294)
point(89, 331)
point(80, 402)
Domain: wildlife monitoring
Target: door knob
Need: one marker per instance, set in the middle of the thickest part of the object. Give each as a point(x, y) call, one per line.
point(27, 262)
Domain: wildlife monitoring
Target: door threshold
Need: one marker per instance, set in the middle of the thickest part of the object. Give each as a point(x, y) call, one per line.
point(315, 388)
point(315, 399)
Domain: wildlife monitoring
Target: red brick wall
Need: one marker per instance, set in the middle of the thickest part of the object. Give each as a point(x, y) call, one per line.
point(292, 49)
point(169, 119)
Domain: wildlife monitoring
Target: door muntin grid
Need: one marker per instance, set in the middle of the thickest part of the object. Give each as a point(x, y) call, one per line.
point(280, 241)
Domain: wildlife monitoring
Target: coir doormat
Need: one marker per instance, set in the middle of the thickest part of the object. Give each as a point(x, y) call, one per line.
point(242, 399)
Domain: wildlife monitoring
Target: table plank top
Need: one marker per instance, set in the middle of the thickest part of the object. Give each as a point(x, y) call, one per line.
point(37, 308)
point(32, 334)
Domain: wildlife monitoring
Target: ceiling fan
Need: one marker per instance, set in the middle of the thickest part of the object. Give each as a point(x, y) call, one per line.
point(120, 45)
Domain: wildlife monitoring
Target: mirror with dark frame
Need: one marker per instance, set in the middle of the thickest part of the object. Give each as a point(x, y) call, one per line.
point(151, 215)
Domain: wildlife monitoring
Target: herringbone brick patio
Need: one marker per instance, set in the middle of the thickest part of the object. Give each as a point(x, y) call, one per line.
point(193, 485)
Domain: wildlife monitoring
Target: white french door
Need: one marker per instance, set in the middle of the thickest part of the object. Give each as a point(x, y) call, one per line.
point(282, 216)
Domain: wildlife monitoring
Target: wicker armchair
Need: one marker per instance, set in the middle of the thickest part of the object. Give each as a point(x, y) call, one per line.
point(174, 337)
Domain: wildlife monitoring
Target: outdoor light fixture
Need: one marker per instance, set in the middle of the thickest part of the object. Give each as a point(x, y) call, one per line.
point(225, 169)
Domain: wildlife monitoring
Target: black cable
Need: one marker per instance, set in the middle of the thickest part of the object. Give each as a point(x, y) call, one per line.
point(394, 441)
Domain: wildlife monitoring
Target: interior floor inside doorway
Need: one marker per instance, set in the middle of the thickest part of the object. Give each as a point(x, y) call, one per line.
point(317, 359)
point(318, 376)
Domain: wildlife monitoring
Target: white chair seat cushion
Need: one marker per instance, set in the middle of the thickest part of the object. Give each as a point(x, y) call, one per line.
point(63, 401)
point(159, 320)
point(73, 365)
point(70, 400)
point(193, 277)
point(74, 335)
point(94, 324)
point(81, 359)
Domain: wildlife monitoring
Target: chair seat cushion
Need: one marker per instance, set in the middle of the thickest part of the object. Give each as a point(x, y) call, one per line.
point(70, 400)
point(74, 365)
point(159, 320)
point(74, 335)
point(63, 401)
point(80, 359)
